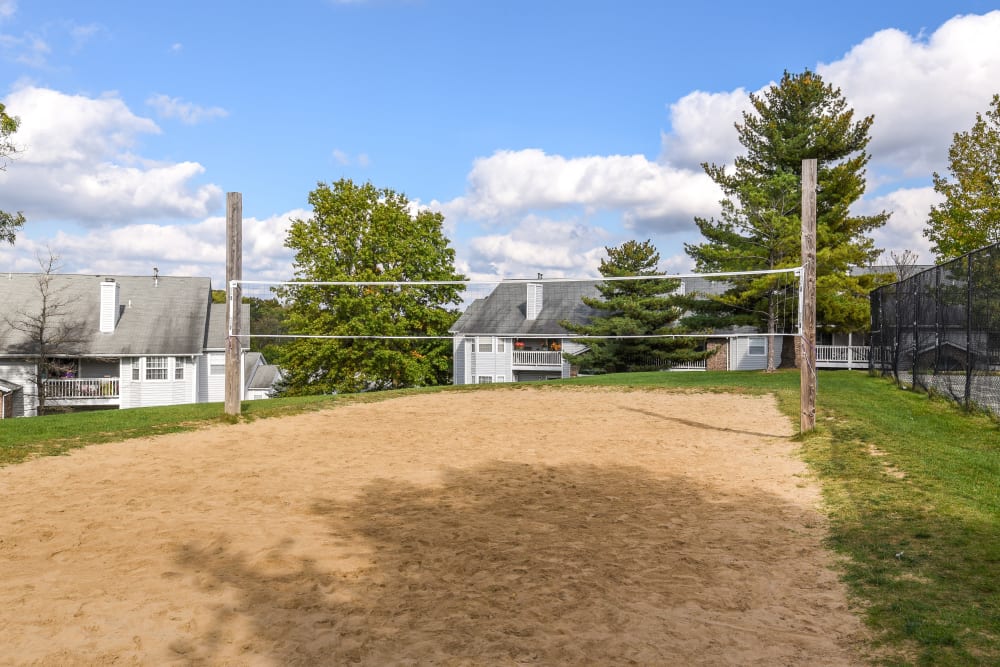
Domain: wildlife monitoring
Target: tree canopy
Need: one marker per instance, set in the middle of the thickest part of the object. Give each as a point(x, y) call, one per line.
point(969, 217)
point(633, 308)
point(10, 223)
point(364, 233)
point(759, 227)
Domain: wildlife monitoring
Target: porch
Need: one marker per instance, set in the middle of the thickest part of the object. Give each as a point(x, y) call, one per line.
point(82, 391)
point(843, 356)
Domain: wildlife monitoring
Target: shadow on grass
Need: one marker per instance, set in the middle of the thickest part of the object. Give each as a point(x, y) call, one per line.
point(513, 563)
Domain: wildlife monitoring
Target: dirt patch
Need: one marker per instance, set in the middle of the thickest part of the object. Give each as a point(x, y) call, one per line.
point(505, 527)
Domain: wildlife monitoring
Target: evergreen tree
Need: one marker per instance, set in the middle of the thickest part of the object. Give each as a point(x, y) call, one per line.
point(760, 225)
point(969, 217)
point(362, 233)
point(633, 308)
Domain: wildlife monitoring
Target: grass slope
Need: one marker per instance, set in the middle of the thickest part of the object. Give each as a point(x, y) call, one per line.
point(912, 487)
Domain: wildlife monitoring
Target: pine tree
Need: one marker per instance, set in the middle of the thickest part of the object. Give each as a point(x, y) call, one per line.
point(633, 308)
point(760, 225)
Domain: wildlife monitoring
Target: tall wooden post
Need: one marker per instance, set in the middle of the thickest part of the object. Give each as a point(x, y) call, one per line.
point(234, 271)
point(807, 361)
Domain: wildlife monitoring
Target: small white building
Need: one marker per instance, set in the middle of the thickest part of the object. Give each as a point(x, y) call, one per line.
point(128, 341)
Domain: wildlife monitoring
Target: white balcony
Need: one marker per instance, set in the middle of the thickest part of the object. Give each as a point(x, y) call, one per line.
point(537, 359)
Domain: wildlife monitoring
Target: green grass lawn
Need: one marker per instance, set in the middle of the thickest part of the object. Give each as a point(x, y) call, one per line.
point(912, 487)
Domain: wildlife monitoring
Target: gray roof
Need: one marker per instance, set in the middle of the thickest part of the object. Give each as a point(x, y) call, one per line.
point(265, 377)
point(504, 310)
point(167, 317)
point(215, 338)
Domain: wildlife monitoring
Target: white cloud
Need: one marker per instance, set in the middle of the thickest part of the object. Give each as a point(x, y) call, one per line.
point(186, 112)
point(7, 8)
point(78, 164)
point(197, 249)
point(702, 128)
point(536, 244)
point(921, 91)
point(649, 195)
point(176, 47)
point(30, 50)
point(345, 159)
point(904, 231)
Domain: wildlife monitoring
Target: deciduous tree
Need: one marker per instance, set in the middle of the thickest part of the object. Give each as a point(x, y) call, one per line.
point(10, 223)
point(364, 233)
point(969, 217)
point(49, 334)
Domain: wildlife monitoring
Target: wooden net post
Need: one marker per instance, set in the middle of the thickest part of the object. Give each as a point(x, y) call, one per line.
point(807, 362)
point(234, 272)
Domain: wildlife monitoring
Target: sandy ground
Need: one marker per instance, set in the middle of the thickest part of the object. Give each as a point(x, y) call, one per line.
point(524, 526)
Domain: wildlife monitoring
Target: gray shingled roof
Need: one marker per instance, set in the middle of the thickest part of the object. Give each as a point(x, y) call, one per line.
point(167, 318)
point(215, 338)
point(265, 377)
point(503, 311)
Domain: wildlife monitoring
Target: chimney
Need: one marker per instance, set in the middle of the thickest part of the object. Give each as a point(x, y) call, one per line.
point(534, 304)
point(109, 305)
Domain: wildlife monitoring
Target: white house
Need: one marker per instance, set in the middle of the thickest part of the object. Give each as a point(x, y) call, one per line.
point(126, 341)
point(514, 335)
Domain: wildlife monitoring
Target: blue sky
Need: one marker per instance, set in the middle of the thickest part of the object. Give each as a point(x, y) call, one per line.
point(544, 131)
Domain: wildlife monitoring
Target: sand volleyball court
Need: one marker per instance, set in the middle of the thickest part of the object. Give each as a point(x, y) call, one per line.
point(528, 525)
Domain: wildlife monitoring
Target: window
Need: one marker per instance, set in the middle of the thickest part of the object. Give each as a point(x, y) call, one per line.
point(156, 368)
point(179, 368)
point(485, 379)
point(501, 378)
point(485, 344)
point(216, 364)
point(135, 369)
point(501, 347)
point(758, 347)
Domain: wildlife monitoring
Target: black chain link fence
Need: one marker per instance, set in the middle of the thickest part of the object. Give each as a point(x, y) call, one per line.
point(939, 330)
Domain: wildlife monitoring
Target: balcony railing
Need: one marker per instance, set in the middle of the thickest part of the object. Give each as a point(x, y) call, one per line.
point(842, 356)
point(533, 358)
point(81, 388)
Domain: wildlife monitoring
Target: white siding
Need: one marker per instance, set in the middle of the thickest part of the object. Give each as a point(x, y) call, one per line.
point(459, 359)
point(741, 359)
point(143, 393)
point(21, 372)
point(211, 387)
point(492, 364)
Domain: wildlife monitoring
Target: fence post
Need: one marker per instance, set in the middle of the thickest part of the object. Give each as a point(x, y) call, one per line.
point(937, 320)
point(969, 363)
point(916, 334)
